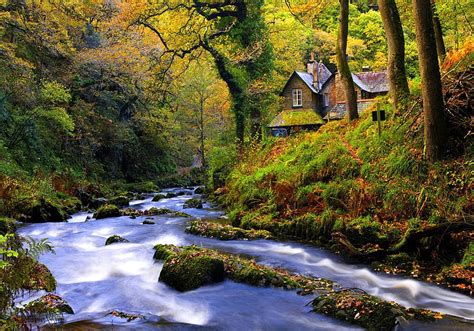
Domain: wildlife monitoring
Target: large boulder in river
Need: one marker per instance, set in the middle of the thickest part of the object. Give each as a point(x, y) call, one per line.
point(107, 211)
point(115, 239)
point(189, 271)
point(49, 305)
point(42, 210)
point(193, 203)
point(158, 197)
point(121, 200)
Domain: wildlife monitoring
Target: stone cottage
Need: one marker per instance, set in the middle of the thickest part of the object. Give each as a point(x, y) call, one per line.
point(313, 97)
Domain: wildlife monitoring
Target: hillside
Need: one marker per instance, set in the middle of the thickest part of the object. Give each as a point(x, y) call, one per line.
point(373, 199)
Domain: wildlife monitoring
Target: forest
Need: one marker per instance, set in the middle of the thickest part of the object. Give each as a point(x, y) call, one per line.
point(236, 164)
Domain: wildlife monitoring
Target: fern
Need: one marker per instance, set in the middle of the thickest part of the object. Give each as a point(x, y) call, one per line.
point(37, 248)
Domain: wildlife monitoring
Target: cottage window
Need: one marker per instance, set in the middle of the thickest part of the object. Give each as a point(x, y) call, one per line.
point(326, 100)
point(297, 97)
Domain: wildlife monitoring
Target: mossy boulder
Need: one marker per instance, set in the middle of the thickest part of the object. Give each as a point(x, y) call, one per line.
point(121, 200)
point(372, 313)
point(107, 211)
point(115, 239)
point(49, 304)
point(158, 197)
point(170, 195)
point(199, 190)
point(225, 232)
point(193, 203)
point(7, 225)
point(237, 268)
point(190, 271)
point(42, 210)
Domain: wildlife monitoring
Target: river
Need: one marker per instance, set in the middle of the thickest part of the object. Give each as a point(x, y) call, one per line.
point(96, 279)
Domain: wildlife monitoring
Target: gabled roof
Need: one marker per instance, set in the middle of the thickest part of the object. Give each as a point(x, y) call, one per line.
point(324, 75)
point(296, 117)
point(373, 82)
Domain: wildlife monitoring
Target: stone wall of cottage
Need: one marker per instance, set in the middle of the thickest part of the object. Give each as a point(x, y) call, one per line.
point(309, 101)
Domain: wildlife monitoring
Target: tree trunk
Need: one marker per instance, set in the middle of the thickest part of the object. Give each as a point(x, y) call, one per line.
point(202, 136)
point(342, 65)
point(438, 32)
point(433, 105)
point(399, 90)
point(255, 125)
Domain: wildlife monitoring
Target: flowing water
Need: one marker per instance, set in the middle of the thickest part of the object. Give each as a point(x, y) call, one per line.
point(96, 279)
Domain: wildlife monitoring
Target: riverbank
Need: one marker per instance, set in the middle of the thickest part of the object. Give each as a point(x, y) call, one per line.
point(374, 200)
point(116, 275)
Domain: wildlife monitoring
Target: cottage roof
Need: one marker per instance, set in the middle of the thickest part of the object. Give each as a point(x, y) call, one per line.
point(373, 82)
point(324, 75)
point(296, 117)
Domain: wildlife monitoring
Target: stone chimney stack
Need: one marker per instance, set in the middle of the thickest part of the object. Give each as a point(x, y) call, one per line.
point(310, 65)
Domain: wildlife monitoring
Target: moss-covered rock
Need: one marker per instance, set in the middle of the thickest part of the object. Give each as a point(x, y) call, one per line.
point(372, 313)
point(120, 200)
point(115, 239)
point(128, 316)
point(193, 203)
point(107, 211)
point(7, 225)
point(42, 210)
point(191, 270)
point(243, 270)
point(158, 197)
point(199, 190)
point(48, 304)
point(170, 195)
point(225, 232)
point(164, 211)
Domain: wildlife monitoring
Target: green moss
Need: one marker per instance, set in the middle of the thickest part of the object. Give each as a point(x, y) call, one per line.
point(191, 270)
point(225, 232)
point(107, 211)
point(360, 308)
point(121, 200)
point(468, 258)
point(48, 305)
point(158, 197)
point(193, 203)
point(7, 225)
point(238, 269)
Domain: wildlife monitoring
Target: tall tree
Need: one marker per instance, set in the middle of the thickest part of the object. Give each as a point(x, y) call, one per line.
point(438, 32)
point(342, 64)
point(433, 105)
point(399, 90)
point(233, 32)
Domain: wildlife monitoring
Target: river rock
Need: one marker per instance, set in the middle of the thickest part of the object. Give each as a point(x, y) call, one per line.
point(41, 211)
point(187, 272)
point(121, 200)
point(193, 203)
point(107, 211)
point(170, 195)
point(49, 304)
point(158, 197)
point(148, 222)
point(115, 239)
point(199, 190)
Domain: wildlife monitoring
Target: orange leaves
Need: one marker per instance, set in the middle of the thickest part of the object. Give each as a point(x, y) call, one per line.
point(456, 56)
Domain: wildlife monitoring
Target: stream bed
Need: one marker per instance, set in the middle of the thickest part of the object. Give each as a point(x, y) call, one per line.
point(96, 279)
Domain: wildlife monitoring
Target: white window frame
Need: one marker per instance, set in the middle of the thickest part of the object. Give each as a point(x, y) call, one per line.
point(297, 95)
point(326, 100)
